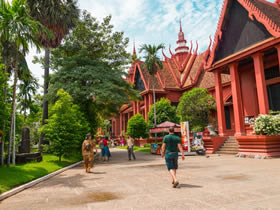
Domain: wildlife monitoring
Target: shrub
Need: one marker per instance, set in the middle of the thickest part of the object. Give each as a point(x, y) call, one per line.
point(164, 112)
point(137, 127)
point(195, 107)
point(66, 127)
point(267, 125)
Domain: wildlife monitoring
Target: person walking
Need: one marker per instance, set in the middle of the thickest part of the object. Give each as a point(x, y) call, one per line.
point(105, 153)
point(169, 150)
point(130, 144)
point(87, 151)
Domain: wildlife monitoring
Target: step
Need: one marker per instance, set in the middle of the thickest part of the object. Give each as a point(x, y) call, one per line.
point(228, 150)
point(227, 153)
point(229, 147)
point(230, 144)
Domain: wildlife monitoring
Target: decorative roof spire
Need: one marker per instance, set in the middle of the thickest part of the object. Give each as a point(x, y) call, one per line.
point(134, 51)
point(181, 41)
point(180, 26)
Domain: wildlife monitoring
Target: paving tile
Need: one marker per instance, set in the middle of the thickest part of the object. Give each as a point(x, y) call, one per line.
point(217, 182)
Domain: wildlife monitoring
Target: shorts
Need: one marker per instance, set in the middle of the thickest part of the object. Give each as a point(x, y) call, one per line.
point(171, 161)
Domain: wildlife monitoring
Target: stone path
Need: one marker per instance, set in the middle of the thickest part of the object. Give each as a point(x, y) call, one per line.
point(217, 182)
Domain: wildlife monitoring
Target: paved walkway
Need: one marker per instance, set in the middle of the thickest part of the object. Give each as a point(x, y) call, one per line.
point(217, 182)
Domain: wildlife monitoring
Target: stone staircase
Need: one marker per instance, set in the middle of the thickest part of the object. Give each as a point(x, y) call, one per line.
point(229, 147)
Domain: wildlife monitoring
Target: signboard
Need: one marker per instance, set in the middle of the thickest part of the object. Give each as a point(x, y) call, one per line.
point(185, 133)
point(156, 149)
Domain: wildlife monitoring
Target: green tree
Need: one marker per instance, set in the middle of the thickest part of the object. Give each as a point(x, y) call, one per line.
point(59, 17)
point(165, 112)
point(19, 29)
point(152, 63)
point(195, 107)
point(137, 127)
point(27, 89)
point(66, 127)
point(90, 66)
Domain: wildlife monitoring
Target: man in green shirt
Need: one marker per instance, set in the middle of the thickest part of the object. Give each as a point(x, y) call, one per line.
point(169, 150)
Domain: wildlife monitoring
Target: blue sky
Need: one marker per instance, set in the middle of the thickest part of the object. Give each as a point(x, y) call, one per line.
point(154, 21)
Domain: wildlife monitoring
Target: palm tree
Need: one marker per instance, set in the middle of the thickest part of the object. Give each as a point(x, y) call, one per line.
point(152, 63)
point(59, 16)
point(20, 30)
point(27, 89)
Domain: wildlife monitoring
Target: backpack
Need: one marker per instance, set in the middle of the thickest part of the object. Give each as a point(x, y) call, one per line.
point(87, 147)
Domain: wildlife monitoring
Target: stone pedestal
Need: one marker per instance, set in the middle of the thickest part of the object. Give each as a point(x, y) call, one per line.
point(25, 141)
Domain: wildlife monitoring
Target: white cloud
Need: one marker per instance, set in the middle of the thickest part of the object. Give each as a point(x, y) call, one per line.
point(155, 21)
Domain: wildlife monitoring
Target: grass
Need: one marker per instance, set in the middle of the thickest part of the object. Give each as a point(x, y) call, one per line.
point(16, 175)
point(146, 148)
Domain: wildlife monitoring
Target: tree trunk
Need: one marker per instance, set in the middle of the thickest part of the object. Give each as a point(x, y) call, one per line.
point(4, 126)
point(24, 112)
point(46, 86)
point(155, 113)
point(14, 139)
point(12, 116)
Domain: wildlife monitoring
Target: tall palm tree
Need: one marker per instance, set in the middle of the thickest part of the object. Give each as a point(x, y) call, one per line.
point(153, 64)
point(59, 16)
point(20, 30)
point(27, 89)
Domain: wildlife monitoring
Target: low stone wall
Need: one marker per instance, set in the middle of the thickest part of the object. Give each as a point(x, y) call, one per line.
point(142, 142)
point(268, 146)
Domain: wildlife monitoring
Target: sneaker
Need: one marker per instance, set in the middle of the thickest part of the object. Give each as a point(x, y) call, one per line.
point(175, 184)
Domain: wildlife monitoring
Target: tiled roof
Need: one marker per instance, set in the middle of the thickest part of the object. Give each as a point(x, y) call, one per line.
point(208, 81)
point(271, 10)
point(194, 70)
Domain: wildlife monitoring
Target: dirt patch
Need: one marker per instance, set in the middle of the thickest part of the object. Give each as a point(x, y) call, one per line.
point(234, 177)
point(94, 198)
point(103, 196)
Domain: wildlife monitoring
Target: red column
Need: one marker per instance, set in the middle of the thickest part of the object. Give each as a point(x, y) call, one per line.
point(150, 100)
point(260, 83)
point(278, 51)
point(134, 107)
point(237, 100)
point(121, 123)
point(138, 107)
point(220, 103)
point(146, 106)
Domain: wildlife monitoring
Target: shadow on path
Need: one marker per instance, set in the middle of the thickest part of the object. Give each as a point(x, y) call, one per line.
point(189, 186)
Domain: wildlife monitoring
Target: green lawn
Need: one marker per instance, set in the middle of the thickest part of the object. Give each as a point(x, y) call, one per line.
point(147, 148)
point(23, 173)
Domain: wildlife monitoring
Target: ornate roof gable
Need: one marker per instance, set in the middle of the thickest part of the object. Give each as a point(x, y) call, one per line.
point(235, 32)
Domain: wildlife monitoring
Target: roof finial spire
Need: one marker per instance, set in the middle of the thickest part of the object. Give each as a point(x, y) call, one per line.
point(134, 50)
point(180, 26)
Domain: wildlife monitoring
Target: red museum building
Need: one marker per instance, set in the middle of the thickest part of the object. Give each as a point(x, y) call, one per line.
point(241, 71)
